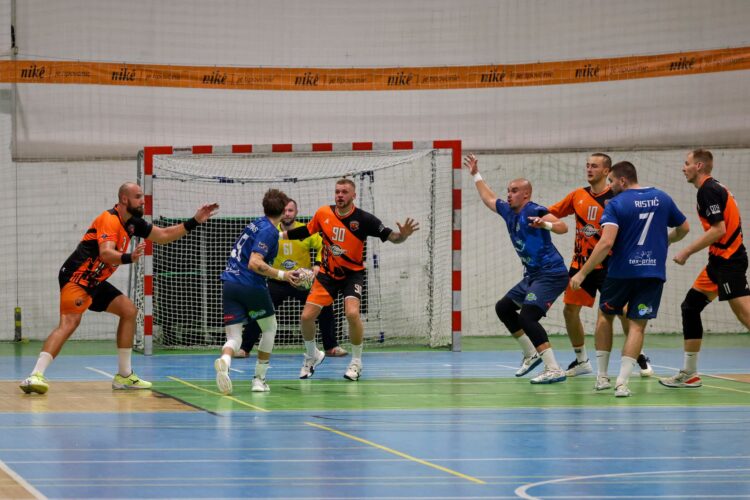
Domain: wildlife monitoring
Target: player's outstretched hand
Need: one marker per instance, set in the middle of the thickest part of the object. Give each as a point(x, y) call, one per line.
point(471, 163)
point(293, 277)
point(205, 212)
point(138, 251)
point(681, 258)
point(408, 228)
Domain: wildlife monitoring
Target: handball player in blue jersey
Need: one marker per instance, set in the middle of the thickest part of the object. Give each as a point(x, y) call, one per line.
point(245, 293)
point(545, 275)
point(635, 228)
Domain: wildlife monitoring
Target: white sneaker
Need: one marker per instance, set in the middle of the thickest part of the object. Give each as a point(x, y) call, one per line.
point(645, 365)
point(528, 364)
point(602, 383)
point(622, 391)
point(682, 379)
point(260, 385)
point(577, 368)
point(549, 376)
point(310, 363)
point(223, 382)
point(353, 371)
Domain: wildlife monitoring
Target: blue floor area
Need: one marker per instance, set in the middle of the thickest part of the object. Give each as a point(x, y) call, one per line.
point(552, 453)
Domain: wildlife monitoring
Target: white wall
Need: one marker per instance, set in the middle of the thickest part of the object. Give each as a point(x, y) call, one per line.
point(91, 120)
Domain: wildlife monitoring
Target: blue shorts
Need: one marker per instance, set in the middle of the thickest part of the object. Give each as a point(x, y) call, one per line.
point(242, 303)
point(539, 291)
point(641, 295)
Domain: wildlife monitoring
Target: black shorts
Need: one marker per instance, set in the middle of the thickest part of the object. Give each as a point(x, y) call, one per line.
point(351, 286)
point(730, 277)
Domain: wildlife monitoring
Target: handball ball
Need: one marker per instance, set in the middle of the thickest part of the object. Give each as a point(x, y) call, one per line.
point(306, 277)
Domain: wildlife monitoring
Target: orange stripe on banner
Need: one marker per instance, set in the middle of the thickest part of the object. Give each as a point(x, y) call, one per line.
point(353, 79)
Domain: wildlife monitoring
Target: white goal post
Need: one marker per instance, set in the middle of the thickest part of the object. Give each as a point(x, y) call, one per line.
point(412, 290)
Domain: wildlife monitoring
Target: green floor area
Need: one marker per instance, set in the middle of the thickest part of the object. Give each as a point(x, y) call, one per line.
point(500, 343)
point(411, 394)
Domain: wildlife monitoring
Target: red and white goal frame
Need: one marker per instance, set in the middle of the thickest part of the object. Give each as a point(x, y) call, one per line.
point(453, 146)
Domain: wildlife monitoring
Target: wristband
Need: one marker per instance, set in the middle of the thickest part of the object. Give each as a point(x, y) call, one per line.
point(280, 275)
point(190, 224)
point(546, 225)
point(478, 177)
point(281, 235)
point(126, 258)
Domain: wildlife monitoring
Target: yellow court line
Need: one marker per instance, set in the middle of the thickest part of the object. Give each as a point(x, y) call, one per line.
point(397, 453)
point(231, 398)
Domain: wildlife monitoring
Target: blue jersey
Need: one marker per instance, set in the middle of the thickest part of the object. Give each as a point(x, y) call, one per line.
point(643, 217)
point(533, 246)
point(260, 236)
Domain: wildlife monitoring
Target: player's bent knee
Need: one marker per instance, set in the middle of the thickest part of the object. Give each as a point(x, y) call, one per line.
point(506, 311)
point(234, 336)
point(529, 319)
point(692, 306)
point(268, 328)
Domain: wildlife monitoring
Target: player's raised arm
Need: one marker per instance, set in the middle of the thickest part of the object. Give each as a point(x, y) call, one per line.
point(163, 235)
point(404, 231)
point(489, 198)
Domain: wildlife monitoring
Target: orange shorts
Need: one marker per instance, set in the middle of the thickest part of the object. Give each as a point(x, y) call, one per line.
point(74, 299)
point(324, 288)
point(585, 295)
point(704, 283)
point(578, 297)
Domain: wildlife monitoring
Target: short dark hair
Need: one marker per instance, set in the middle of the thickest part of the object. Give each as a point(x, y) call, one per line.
point(606, 158)
point(627, 170)
point(704, 156)
point(274, 202)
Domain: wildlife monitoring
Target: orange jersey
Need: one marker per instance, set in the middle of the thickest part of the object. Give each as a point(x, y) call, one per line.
point(344, 238)
point(716, 204)
point(84, 267)
point(588, 208)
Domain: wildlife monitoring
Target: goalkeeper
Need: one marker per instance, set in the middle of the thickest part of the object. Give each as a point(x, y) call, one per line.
point(295, 254)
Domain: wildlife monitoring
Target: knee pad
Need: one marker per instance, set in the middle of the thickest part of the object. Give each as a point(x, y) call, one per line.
point(506, 312)
point(529, 319)
point(694, 303)
point(268, 333)
point(234, 336)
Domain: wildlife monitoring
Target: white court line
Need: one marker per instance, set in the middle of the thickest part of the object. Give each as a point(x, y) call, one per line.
point(100, 372)
point(21, 481)
point(236, 370)
point(521, 491)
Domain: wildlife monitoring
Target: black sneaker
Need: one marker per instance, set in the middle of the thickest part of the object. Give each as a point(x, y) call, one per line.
point(579, 368)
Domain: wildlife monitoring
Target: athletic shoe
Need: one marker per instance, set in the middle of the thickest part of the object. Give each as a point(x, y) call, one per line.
point(577, 368)
point(549, 377)
point(130, 382)
point(622, 391)
point(644, 363)
point(35, 383)
point(602, 383)
point(310, 363)
point(223, 382)
point(337, 352)
point(682, 379)
point(354, 370)
point(528, 364)
point(259, 385)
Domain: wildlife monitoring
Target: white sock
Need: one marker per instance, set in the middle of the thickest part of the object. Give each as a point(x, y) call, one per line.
point(602, 363)
point(42, 362)
point(310, 347)
point(227, 359)
point(549, 359)
point(526, 345)
point(261, 367)
point(357, 352)
point(124, 355)
point(581, 354)
point(626, 368)
point(691, 362)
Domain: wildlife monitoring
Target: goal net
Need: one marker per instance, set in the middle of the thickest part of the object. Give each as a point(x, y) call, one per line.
point(407, 294)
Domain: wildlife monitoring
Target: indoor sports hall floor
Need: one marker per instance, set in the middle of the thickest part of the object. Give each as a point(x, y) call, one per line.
point(420, 424)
